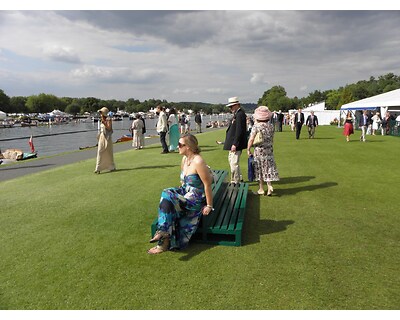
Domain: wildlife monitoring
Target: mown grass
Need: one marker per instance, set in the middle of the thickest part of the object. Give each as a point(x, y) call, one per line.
point(327, 239)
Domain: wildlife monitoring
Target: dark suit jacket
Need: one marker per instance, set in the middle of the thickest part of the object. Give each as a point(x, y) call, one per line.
point(362, 123)
point(236, 132)
point(312, 123)
point(301, 118)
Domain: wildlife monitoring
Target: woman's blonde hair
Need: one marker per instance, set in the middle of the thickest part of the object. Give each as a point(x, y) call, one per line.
point(192, 143)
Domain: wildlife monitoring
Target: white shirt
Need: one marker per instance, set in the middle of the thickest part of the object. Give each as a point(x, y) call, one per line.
point(162, 122)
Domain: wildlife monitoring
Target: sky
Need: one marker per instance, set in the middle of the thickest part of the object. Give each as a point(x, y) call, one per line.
point(192, 55)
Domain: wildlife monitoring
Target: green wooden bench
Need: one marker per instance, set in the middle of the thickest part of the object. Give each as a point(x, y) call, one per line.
point(224, 225)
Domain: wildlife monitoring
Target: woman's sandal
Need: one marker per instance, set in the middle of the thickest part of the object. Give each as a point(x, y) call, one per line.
point(270, 190)
point(161, 247)
point(159, 235)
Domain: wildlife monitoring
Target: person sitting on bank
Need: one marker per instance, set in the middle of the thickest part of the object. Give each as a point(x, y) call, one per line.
point(181, 207)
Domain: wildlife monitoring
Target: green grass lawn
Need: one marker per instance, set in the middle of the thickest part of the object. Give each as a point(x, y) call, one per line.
point(328, 238)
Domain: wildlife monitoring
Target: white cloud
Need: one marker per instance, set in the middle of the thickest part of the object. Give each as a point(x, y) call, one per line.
point(115, 74)
point(258, 78)
point(61, 54)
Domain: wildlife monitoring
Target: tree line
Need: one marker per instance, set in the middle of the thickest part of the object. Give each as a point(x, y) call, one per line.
point(275, 98)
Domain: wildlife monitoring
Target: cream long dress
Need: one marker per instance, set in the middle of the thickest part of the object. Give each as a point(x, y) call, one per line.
point(105, 154)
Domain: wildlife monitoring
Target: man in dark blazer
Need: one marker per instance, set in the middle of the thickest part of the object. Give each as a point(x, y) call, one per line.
point(312, 123)
point(298, 122)
point(280, 120)
point(364, 122)
point(236, 139)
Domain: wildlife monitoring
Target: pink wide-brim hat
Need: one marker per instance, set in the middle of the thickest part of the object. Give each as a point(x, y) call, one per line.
point(262, 113)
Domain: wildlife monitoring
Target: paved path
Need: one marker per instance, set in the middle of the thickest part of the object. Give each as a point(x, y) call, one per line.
point(21, 168)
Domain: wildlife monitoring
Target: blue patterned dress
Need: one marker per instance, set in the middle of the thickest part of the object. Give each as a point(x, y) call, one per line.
point(180, 210)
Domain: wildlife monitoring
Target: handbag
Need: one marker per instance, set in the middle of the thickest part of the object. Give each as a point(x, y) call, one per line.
point(250, 168)
point(258, 139)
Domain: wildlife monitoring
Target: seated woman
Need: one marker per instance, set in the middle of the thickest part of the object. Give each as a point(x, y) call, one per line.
point(180, 208)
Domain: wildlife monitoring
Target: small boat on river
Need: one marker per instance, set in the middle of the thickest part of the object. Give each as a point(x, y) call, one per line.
point(17, 155)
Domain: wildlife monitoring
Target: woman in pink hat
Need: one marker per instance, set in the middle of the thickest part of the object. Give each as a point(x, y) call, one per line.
point(265, 169)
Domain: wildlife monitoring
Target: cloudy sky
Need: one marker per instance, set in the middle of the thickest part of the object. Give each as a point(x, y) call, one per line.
point(196, 55)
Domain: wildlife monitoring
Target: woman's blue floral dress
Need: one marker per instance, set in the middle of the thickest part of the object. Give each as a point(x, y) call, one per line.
point(180, 210)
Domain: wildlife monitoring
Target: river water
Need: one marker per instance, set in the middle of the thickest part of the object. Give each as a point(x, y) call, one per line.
point(55, 139)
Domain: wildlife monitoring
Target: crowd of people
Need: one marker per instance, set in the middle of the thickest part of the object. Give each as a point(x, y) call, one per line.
point(369, 123)
point(181, 208)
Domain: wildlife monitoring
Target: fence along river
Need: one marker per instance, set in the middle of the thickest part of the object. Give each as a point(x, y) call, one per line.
point(55, 139)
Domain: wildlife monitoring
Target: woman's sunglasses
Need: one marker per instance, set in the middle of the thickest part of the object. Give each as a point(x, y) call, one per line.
point(180, 145)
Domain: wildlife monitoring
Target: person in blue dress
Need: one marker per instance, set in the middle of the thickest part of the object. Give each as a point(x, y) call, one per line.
point(173, 130)
point(181, 207)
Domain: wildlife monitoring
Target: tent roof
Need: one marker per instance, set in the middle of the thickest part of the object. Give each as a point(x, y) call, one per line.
point(388, 99)
point(316, 107)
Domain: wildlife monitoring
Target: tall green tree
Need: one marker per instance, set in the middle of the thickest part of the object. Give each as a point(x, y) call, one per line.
point(4, 102)
point(44, 103)
point(332, 99)
point(345, 97)
point(18, 104)
point(275, 99)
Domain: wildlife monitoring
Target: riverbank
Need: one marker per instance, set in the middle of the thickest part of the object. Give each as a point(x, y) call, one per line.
point(10, 170)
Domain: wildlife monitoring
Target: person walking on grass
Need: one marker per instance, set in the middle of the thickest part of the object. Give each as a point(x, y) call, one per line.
point(363, 124)
point(348, 126)
point(264, 169)
point(236, 138)
point(298, 122)
point(311, 123)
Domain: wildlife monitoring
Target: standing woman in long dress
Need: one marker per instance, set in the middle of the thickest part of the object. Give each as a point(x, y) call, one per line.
point(105, 154)
point(173, 130)
point(265, 169)
point(348, 126)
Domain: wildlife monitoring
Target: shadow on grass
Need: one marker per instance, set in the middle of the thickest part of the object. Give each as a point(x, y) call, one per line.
point(26, 167)
point(254, 227)
point(194, 249)
point(143, 168)
point(294, 179)
point(290, 191)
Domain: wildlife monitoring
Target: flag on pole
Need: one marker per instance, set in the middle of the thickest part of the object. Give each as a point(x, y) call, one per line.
point(31, 144)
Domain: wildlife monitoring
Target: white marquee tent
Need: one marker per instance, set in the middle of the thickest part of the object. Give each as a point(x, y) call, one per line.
point(325, 117)
point(388, 101)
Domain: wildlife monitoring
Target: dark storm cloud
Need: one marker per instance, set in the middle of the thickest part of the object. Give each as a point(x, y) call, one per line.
point(182, 28)
point(304, 34)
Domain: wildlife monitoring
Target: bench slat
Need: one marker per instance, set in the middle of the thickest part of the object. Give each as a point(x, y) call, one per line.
point(235, 213)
